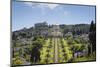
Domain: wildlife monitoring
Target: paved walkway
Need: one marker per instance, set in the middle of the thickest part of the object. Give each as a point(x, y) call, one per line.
point(56, 49)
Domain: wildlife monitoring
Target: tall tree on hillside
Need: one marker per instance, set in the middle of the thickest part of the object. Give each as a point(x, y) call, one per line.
point(91, 26)
point(92, 36)
point(35, 52)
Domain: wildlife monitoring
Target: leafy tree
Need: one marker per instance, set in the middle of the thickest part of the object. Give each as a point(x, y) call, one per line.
point(77, 48)
point(35, 55)
point(37, 45)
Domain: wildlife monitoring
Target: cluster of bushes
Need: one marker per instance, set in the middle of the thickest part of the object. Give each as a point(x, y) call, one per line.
point(65, 53)
point(47, 52)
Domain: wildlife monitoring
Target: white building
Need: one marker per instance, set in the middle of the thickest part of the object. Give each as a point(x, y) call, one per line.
point(55, 31)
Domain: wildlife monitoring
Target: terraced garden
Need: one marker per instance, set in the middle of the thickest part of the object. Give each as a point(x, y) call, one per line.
point(59, 50)
point(47, 52)
point(65, 53)
point(55, 50)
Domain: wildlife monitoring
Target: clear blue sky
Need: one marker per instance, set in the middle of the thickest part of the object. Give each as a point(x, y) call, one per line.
point(26, 14)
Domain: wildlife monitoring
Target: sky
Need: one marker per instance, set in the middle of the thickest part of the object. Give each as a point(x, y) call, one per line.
point(26, 14)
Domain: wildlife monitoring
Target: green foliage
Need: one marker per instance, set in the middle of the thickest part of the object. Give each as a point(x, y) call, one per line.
point(70, 42)
point(76, 47)
point(77, 28)
point(17, 61)
point(38, 42)
point(45, 46)
point(77, 40)
point(82, 47)
point(16, 54)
